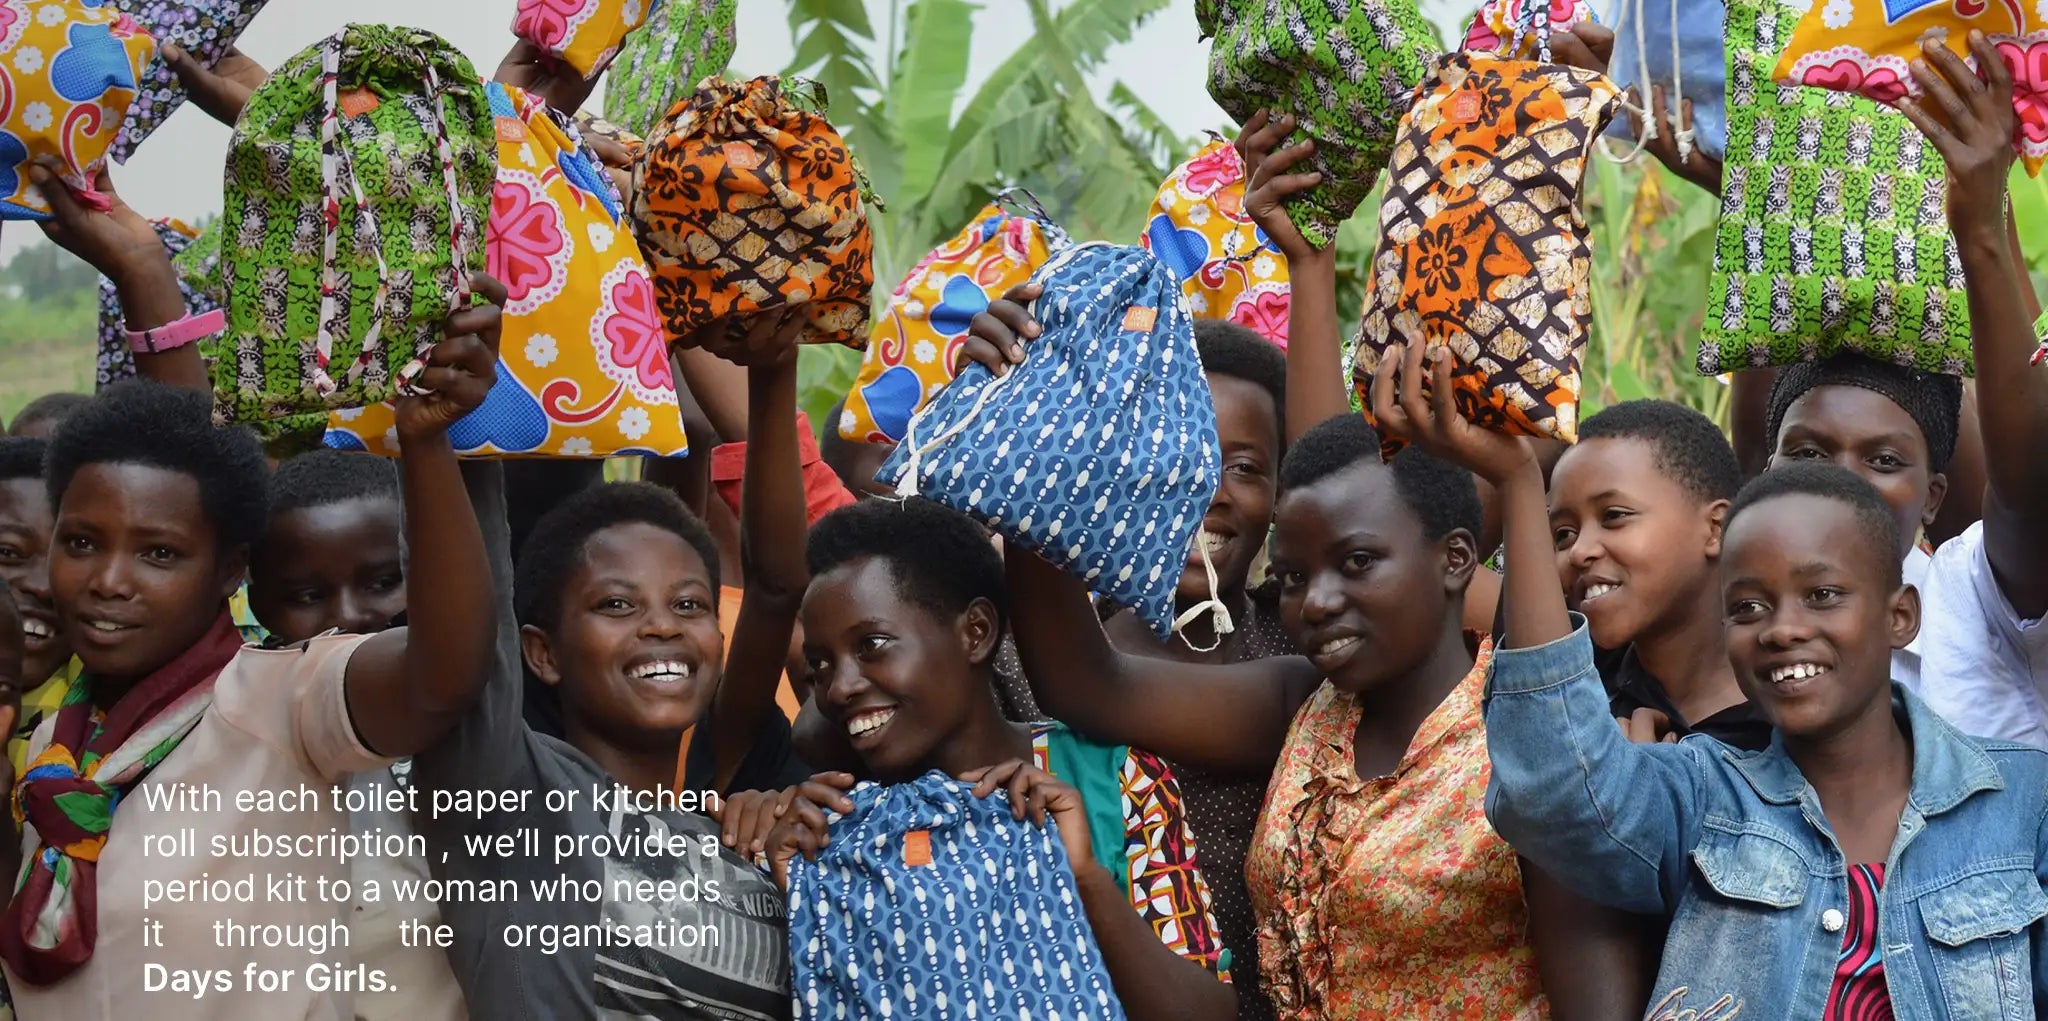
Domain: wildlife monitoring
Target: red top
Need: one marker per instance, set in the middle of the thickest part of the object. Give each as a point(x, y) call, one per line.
point(1859, 993)
point(823, 492)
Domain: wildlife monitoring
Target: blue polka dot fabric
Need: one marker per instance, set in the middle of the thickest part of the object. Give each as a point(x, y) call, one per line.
point(933, 905)
point(1099, 452)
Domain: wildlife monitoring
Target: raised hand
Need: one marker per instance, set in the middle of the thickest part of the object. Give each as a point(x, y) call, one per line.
point(1412, 400)
point(221, 90)
point(118, 242)
point(545, 75)
point(757, 340)
point(1273, 181)
point(1969, 117)
point(460, 370)
point(1694, 166)
point(1037, 795)
point(995, 337)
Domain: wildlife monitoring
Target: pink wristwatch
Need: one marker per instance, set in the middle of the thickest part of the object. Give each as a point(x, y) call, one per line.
point(174, 335)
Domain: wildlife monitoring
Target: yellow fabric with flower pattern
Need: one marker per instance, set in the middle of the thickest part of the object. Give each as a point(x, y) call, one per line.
point(1227, 267)
point(1867, 47)
point(583, 366)
point(911, 351)
point(68, 71)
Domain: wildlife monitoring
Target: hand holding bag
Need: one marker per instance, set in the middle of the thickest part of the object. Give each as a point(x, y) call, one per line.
point(585, 34)
point(359, 184)
point(1676, 44)
point(207, 29)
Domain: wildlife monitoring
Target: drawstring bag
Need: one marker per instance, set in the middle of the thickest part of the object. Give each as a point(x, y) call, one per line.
point(335, 297)
point(931, 903)
point(1509, 28)
point(746, 200)
point(1834, 224)
point(207, 29)
point(583, 366)
point(70, 70)
point(1676, 44)
point(1346, 71)
point(1867, 47)
point(1099, 452)
point(683, 43)
point(584, 34)
point(1482, 246)
point(911, 353)
point(1228, 268)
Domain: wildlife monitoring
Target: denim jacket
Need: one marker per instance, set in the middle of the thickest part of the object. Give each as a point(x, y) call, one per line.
point(1732, 848)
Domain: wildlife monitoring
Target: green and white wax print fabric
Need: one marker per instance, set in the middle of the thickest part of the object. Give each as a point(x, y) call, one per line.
point(683, 43)
point(1834, 224)
point(1346, 69)
point(359, 184)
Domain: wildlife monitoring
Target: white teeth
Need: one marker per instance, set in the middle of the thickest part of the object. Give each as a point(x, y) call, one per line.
point(1796, 672)
point(36, 629)
point(661, 670)
point(1596, 591)
point(1336, 645)
point(1210, 541)
point(102, 625)
point(869, 722)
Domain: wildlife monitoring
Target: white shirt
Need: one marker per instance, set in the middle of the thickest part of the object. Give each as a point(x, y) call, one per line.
point(1976, 662)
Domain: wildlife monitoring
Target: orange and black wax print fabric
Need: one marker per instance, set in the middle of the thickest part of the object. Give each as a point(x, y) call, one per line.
point(1482, 248)
point(747, 199)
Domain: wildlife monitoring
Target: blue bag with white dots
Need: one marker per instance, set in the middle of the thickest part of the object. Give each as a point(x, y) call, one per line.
point(935, 905)
point(1099, 452)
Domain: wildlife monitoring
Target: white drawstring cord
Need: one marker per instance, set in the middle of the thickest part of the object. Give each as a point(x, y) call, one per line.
point(1674, 106)
point(1214, 604)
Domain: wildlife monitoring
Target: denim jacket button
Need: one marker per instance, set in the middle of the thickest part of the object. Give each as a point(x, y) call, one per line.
point(1831, 920)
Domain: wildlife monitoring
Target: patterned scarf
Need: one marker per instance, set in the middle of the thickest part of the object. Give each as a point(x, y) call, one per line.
point(67, 799)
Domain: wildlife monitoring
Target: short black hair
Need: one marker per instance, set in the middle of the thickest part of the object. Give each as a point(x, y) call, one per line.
point(1442, 495)
point(319, 478)
point(941, 559)
point(1880, 531)
point(1932, 400)
point(48, 408)
point(1235, 350)
point(143, 422)
point(21, 457)
point(1688, 446)
point(555, 546)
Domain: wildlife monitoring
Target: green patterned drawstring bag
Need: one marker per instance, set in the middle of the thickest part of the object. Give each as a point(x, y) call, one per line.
point(359, 184)
point(683, 43)
point(1346, 71)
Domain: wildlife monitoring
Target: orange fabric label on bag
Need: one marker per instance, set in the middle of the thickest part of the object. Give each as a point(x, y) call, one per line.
point(1140, 319)
point(1464, 108)
point(357, 102)
point(741, 155)
point(917, 848)
point(511, 130)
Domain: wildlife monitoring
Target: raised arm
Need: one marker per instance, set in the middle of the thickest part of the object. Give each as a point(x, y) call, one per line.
point(1316, 383)
point(1232, 717)
point(1611, 819)
point(407, 686)
point(125, 249)
point(772, 527)
point(1974, 132)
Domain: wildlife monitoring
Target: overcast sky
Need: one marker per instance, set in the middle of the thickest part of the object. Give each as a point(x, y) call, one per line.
point(178, 172)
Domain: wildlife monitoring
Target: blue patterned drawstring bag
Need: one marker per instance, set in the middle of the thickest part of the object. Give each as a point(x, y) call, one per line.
point(1099, 452)
point(932, 904)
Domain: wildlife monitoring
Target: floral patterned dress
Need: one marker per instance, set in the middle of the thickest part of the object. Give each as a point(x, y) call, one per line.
point(1392, 897)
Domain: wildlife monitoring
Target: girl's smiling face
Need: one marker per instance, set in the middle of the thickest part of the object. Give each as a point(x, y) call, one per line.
point(636, 653)
point(1812, 614)
point(137, 571)
point(898, 679)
